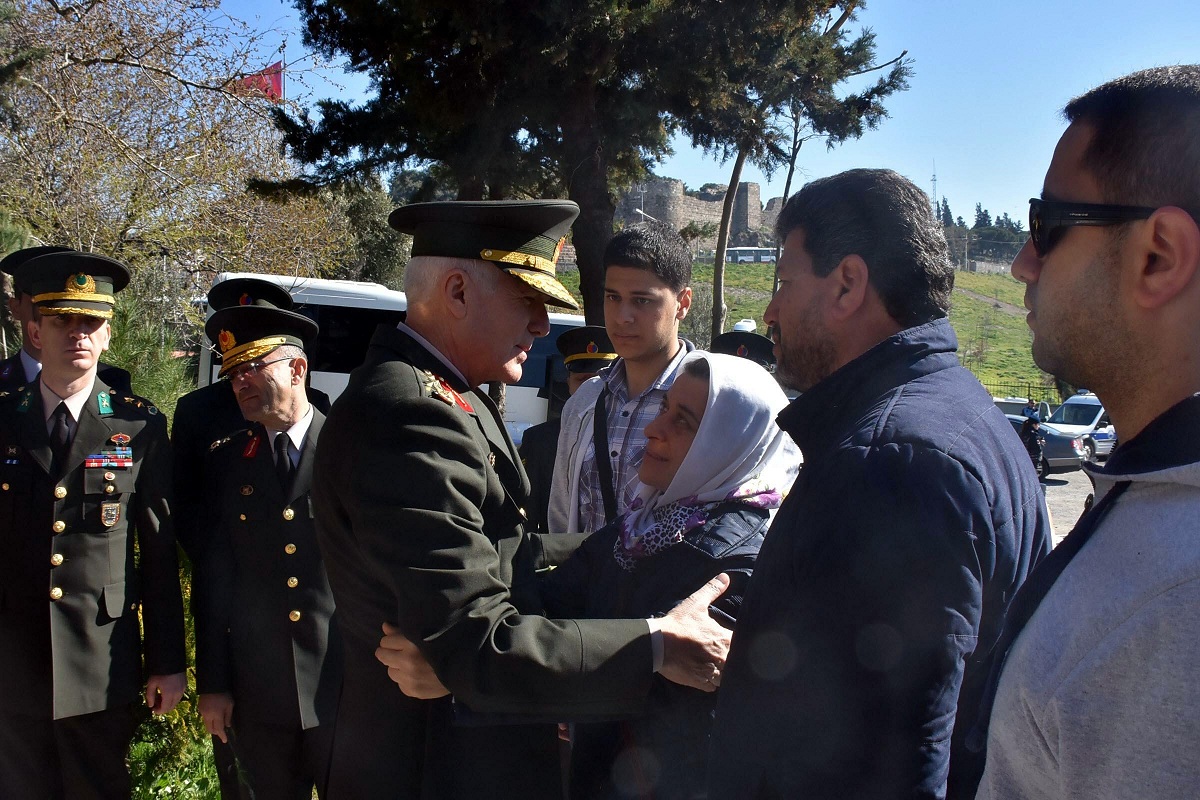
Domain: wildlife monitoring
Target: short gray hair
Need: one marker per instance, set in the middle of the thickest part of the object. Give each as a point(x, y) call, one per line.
point(423, 274)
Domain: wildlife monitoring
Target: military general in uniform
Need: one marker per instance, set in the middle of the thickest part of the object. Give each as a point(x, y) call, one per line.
point(84, 480)
point(268, 658)
point(420, 511)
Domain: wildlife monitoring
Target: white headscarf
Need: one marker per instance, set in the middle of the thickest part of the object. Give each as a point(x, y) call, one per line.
point(739, 453)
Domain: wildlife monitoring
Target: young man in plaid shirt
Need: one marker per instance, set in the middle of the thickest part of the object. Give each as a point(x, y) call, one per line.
point(648, 270)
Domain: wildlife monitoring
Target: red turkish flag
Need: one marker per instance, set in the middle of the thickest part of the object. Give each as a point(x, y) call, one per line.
point(267, 81)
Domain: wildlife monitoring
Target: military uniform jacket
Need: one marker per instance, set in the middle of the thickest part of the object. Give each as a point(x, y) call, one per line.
point(264, 609)
point(539, 446)
point(420, 522)
point(69, 588)
point(202, 417)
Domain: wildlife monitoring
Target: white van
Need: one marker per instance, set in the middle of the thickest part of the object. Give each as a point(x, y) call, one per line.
point(348, 312)
point(1082, 415)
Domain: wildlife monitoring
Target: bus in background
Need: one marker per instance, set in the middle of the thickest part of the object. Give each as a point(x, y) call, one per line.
point(347, 313)
point(750, 255)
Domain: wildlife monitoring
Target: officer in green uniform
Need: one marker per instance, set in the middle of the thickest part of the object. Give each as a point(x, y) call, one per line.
point(585, 351)
point(23, 366)
point(85, 479)
point(268, 657)
point(420, 499)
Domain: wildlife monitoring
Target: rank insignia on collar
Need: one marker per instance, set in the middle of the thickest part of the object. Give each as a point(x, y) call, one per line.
point(11, 450)
point(110, 514)
point(492, 459)
point(119, 438)
point(26, 401)
point(104, 405)
point(437, 387)
point(251, 446)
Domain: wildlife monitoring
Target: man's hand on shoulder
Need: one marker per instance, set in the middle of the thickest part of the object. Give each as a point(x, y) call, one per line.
point(695, 645)
point(407, 667)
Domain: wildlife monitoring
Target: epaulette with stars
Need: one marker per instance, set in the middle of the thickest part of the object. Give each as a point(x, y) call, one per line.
point(133, 401)
point(437, 387)
point(219, 443)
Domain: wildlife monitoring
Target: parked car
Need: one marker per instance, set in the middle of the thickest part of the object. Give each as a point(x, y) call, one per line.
point(1082, 415)
point(1062, 453)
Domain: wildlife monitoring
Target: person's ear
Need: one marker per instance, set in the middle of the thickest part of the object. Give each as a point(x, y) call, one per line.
point(684, 298)
point(299, 369)
point(849, 283)
point(454, 293)
point(33, 331)
point(1168, 253)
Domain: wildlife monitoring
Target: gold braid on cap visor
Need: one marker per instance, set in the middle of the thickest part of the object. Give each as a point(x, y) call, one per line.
point(52, 311)
point(591, 357)
point(249, 351)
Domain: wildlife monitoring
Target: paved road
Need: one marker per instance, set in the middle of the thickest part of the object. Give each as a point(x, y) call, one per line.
point(1065, 495)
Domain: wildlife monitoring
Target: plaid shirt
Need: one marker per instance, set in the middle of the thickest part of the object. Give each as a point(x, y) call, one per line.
point(627, 418)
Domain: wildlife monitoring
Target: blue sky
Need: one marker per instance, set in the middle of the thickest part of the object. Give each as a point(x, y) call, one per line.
point(990, 80)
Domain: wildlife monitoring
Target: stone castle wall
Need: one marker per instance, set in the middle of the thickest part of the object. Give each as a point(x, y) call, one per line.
point(664, 200)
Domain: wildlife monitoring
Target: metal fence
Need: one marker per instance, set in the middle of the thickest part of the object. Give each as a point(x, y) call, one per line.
point(1026, 390)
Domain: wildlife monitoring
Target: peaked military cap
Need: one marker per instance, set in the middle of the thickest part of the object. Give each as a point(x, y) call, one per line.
point(249, 292)
point(16, 258)
point(70, 282)
point(753, 346)
point(522, 237)
point(247, 333)
point(585, 349)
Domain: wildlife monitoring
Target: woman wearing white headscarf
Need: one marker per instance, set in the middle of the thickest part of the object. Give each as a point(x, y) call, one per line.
point(715, 468)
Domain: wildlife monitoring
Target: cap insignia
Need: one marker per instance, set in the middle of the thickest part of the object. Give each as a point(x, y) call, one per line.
point(742, 351)
point(592, 348)
point(245, 299)
point(226, 341)
point(80, 283)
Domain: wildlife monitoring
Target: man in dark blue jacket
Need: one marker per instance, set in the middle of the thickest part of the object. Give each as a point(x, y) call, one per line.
point(885, 576)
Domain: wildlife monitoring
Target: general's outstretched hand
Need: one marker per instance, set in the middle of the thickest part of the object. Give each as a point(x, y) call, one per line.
point(694, 644)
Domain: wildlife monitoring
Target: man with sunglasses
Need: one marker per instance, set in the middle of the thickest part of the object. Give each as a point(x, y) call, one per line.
point(1097, 695)
point(268, 653)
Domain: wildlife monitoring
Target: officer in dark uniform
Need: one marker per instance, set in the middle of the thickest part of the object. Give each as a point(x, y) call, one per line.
point(585, 350)
point(201, 417)
point(268, 656)
point(420, 519)
point(747, 344)
point(22, 367)
point(85, 477)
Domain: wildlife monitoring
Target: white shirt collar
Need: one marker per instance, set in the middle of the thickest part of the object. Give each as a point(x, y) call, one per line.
point(297, 432)
point(421, 340)
point(32, 366)
point(74, 403)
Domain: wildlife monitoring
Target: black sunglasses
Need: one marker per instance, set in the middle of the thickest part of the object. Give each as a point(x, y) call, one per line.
point(1047, 218)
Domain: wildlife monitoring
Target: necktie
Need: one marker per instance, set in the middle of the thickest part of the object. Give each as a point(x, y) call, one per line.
point(60, 436)
point(283, 461)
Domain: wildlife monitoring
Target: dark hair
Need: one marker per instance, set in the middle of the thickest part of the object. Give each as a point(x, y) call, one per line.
point(886, 220)
point(654, 247)
point(1145, 149)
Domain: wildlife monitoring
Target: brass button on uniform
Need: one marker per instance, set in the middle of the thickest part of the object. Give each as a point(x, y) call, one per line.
point(242, 517)
point(293, 583)
point(56, 593)
point(290, 549)
point(59, 526)
point(289, 514)
point(294, 616)
point(56, 560)
point(4, 487)
point(110, 476)
point(60, 492)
